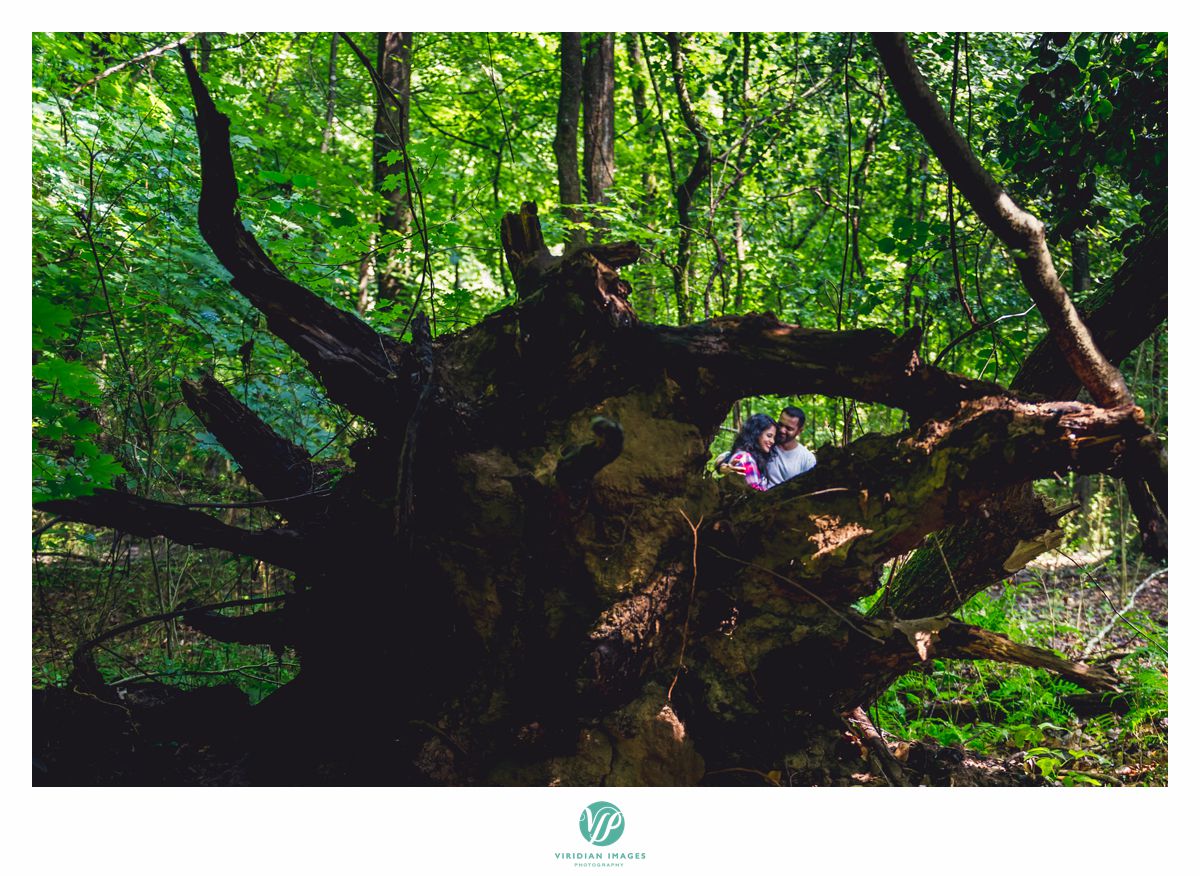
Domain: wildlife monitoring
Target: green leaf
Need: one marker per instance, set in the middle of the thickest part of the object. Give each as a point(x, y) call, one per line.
point(73, 378)
point(1103, 109)
point(274, 176)
point(103, 468)
point(1048, 766)
point(49, 319)
point(79, 428)
point(1082, 56)
point(885, 244)
point(304, 181)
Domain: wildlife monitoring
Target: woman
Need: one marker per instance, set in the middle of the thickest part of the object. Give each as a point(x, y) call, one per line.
point(752, 447)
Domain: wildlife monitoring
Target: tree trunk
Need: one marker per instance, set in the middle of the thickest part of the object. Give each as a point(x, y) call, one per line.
point(917, 215)
point(565, 597)
point(566, 133)
point(599, 134)
point(1081, 282)
point(330, 95)
point(394, 64)
point(685, 192)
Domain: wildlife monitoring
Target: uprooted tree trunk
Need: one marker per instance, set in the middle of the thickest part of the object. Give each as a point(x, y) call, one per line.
point(527, 576)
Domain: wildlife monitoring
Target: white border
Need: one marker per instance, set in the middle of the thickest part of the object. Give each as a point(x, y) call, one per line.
point(123, 831)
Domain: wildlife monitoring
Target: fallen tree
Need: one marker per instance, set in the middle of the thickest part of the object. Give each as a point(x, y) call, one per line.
point(531, 547)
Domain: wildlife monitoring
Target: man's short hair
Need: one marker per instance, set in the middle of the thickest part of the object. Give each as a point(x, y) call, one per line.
point(792, 411)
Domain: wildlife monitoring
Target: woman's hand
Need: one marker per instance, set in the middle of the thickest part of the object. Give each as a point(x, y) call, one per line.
point(737, 468)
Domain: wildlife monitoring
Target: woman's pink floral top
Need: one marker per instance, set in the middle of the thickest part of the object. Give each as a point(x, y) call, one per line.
point(754, 478)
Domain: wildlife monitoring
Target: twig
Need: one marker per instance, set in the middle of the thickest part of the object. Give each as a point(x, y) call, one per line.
point(410, 183)
point(499, 101)
point(975, 329)
point(1099, 637)
point(800, 586)
point(662, 124)
point(231, 670)
point(946, 563)
point(168, 615)
point(695, 527)
point(958, 287)
point(45, 526)
point(117, 68)
point(257, 503)
point(1104, 593)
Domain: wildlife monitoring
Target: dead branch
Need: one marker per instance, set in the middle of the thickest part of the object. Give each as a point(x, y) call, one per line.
point(117, 68)
point(357, 365)
point(276, 467)
point(964, 640)
point(1119, 614)
point(145, 517)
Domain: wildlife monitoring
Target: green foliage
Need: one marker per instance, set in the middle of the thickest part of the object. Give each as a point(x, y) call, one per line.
point(1008, 711)
point(1088, 131)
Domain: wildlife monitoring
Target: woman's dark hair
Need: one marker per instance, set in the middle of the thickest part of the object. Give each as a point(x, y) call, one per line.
point(748, 435)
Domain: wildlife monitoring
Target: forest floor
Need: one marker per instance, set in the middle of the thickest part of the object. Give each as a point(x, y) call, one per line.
point(1023, 719)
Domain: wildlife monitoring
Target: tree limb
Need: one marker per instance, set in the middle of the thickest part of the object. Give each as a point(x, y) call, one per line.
point(1015, 227)
point(357, 365)
point(948, 638)
point(117, 68)
point(881, 495)
point(964, 640)
point(734, 356)
point(186, 610)
point(271, 628)
point(145, 517)
point(278, 468)
point(1121, 317)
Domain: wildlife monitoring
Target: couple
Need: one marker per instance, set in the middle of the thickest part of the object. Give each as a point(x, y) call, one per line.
point(766, 452)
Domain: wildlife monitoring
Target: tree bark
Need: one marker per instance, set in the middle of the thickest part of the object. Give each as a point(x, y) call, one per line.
point(394, 63)
point(685, 192)
point(566, 133)
point(599, 157)
point(330, 95)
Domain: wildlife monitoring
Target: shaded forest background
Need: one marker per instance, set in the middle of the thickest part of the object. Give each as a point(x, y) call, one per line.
point(758, 172)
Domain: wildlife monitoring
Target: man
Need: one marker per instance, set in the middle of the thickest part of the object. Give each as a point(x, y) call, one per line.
point(789, 458)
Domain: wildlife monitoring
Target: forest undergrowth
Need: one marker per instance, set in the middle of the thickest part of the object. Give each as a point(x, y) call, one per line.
point(1077, 604)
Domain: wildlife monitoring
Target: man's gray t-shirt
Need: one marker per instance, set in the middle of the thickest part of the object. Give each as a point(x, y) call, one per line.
point(786, 464)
